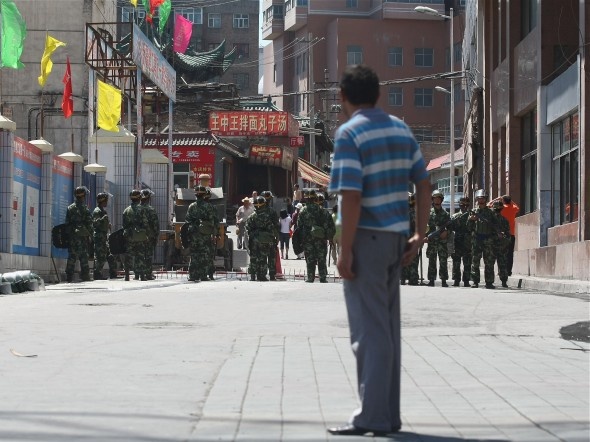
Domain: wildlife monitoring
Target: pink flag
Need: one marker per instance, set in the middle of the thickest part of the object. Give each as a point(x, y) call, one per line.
point(183, 29)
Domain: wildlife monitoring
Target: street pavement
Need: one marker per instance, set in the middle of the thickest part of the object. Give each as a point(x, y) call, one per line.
point(234, 360)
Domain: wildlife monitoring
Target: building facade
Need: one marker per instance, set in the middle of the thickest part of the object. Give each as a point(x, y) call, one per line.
point(312, 41)
point(526, 126)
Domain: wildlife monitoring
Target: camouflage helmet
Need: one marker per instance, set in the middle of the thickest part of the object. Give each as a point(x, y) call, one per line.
point(320, 198)
point(200, 191)
point(437, 194)
point(481, 193)
point(464, 201)
point(146, 194)
point(81, 191)
point(135, 195)
point(259, 202)
point(102, 197)
point(312, 196)
point(267, 194)
point(498, 205)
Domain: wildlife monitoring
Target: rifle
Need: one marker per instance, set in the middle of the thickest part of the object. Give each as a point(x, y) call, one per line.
point(436, 234)
point(494, 227)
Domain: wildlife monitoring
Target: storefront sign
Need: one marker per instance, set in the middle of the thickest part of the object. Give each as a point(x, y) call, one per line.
point(271, 156)
point(200, 158)
point(247, 123)
point(298, 141)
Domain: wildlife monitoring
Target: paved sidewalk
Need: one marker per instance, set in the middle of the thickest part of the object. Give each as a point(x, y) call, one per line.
point(233, 360)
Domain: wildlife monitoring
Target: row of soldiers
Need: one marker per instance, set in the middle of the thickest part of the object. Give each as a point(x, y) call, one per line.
point(141, 229)
point(314, 229)
point(478, 233)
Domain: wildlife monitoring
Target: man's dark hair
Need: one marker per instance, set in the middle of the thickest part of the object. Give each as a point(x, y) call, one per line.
point(506, 199)
point(360, 84)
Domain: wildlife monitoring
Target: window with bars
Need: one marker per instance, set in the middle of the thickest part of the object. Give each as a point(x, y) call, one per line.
point(423, 97)
point(565, 170)
point(192, 14)
point(214, 20)
point(395, 96)
point(424, 57)
point(423, 134)
point(395, 56)
point(129, 14)
point(529, 162)
point(354, 55)
point(241, 21)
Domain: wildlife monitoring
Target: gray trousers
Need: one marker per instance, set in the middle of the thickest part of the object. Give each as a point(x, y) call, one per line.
point(373, 305)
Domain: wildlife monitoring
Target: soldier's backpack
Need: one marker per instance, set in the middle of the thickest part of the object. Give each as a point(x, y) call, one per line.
point(117, 242)
point(59, 236)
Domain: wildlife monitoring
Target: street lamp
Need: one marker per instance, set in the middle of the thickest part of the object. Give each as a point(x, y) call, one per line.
point(430, 11)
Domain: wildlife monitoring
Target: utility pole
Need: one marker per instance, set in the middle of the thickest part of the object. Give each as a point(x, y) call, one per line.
point(311, 101)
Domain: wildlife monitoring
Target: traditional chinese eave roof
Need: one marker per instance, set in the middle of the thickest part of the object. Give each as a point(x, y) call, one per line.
point(180, 139)
point(259, 106)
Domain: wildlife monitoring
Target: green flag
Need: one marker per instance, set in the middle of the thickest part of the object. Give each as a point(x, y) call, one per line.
point(165, 9)
point(14, 32)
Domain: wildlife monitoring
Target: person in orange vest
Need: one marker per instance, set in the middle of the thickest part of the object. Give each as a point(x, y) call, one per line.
point(509, 212)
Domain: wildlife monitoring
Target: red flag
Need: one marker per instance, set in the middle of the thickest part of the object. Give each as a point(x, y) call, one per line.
point(153, 5)
point(183, 30)
point(67, 103)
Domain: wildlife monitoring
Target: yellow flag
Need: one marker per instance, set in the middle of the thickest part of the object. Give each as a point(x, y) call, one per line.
point(108, 107)
point(134, 2)
point(51, 44)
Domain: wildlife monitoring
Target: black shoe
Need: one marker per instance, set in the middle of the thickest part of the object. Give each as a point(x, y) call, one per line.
point(323, 280)
point(309, 280)
point(126, 277)
point(466, 284)
point(490, 286)
point(262, 278)
point(69, 278)
point(431, 283)
point(273, 278)
point(252, 277)
point(444, 283)
point(204, 278)
point(351, 430)
point(475, 285)
point(504, 284)
point(456, 283)
point(86, 278)
point(98, 276)
point(143, 278)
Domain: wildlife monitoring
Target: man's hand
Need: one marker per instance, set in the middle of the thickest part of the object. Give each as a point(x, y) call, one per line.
point(344, 265)
point(412, 249)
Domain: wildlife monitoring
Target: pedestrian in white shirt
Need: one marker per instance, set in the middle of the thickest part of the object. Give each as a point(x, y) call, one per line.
point(242, 215)
point(285, 232)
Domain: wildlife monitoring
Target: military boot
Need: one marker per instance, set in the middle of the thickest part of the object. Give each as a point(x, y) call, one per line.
point(113, 275)
point(97, 275)
point(262, 278)
point(69, 277)
point(252, 277)
point(456, 283)
point(126, 276)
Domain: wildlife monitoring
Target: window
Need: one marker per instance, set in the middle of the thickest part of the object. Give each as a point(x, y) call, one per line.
point(242, 80)
point(395, 96)
point(214, 20)
point(241, 21)
point(352, 4)
point(242, 50)
point(424, 57)
point(529, 162)
point(128, 14)
point(528, 16)
point(354, 55)
point(422, 97)
point(565, 173)
point(181, 175)
point(395, 56)
point(192, 14)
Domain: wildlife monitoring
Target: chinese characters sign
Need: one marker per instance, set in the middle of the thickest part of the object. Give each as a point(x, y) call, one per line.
point(201, 158)
point(247, 123)
point(271, 156)
point(298, 141)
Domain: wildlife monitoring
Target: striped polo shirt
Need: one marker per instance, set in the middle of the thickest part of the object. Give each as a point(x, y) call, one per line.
point(376, 153)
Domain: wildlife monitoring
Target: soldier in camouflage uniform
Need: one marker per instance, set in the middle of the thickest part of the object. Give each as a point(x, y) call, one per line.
point(201, 226)
point(410, 273)
point(136, 225)
point(317, 227)
point(437, 243)
point(153, 231)
point(482, 225)
point(79, 221)
point(102, 226)
point(501, 242)
point(272, 253)
point(213, 243)
point(263, 236)
point(462, 244)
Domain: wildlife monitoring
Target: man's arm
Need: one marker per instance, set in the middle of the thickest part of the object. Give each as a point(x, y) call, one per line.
point(422, 215)
point(351, 212)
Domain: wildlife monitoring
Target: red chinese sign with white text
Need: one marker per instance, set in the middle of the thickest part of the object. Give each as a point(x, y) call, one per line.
point(201, 159)
point(248, 123)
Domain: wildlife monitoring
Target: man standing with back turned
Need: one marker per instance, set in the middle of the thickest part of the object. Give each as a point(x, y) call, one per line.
point(375, 158)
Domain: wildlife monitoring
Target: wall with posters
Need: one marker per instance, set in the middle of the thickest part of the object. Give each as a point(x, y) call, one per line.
point(62, 196)
point(25, 198)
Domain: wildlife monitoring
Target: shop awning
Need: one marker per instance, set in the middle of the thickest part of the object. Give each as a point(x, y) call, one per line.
point(309, 172)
